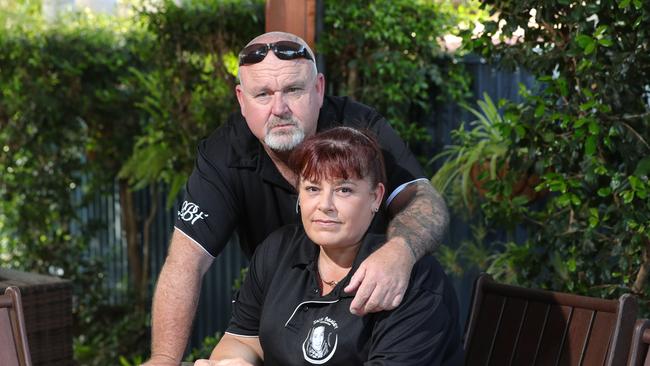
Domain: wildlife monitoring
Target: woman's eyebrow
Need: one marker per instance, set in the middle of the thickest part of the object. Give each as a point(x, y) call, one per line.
point(345, 181)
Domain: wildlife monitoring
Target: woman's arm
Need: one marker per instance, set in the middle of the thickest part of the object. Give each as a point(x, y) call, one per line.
point(235, 350)
point(240, 345)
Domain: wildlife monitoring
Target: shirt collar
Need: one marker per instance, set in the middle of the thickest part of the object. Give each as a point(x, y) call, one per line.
point(371, 242)
point(246, 152)
point(245, 149)
point(308, 254)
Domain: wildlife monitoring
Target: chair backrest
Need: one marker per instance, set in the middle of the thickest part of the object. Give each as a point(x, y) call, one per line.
point(640, 341)
point(13, 336)
point(511, 325)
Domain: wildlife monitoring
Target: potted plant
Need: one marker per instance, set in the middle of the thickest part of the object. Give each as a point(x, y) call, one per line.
point(481, 157)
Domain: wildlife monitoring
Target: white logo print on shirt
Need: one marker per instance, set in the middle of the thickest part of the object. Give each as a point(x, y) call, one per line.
point(321, 341)
point(190, 212)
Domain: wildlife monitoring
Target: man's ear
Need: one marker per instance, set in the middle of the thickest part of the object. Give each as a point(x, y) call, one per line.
point(320, 87)
point(239, 92)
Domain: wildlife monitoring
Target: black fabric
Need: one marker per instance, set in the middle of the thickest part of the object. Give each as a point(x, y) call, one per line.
point(280, 302)
point(236, 186)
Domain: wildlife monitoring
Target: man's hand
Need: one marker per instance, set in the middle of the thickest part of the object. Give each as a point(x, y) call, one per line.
point(381, 280)
point(420, 218)
point(229, 362)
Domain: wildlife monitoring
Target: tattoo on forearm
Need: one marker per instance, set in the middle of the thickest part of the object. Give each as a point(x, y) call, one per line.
point(422, 223)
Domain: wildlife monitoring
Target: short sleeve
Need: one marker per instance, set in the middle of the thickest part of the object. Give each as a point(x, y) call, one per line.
point(423, 330)
point(248, 301)
point(208, 214)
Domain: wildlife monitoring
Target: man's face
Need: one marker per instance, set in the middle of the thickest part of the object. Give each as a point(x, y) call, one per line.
point(280, 100)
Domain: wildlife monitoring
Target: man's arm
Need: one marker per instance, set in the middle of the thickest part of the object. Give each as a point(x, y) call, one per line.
point(419, 221)
point(420, 218)
point(176, 299)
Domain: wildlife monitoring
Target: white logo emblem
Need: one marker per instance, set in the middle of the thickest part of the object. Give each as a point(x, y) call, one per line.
point(191, 212)
point(321, 341)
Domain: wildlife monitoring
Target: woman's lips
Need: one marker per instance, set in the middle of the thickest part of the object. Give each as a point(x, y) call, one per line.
point(326, 222)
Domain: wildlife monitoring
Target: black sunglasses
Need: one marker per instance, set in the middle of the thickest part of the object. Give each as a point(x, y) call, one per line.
point(284, 50)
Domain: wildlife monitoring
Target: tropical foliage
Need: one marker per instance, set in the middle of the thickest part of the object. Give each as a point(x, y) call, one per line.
point(586, 131)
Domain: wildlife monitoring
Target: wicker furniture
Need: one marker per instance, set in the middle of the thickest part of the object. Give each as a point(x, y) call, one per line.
point(47, 307)
point(511, 325)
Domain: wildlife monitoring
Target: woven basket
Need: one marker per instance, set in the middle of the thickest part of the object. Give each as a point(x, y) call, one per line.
point(47, 305)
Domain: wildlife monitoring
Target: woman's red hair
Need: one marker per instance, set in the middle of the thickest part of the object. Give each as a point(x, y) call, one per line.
point(339, 153)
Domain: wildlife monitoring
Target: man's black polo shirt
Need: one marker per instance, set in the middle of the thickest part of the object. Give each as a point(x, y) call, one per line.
point(235, 185)
point(280, 302)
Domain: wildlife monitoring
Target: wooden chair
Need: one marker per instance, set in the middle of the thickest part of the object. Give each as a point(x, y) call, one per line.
point(14, 350)
point(510, 325)
point(640, 341)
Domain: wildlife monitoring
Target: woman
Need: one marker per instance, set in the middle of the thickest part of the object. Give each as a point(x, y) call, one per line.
point(292, 310)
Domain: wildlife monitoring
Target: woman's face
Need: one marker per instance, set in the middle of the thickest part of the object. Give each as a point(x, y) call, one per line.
point(336, 214)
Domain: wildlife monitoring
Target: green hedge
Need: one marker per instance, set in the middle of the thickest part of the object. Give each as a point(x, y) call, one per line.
point(387, 53)
point(87, 98)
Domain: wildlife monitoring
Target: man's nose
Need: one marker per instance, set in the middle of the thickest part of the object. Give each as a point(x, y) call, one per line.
point(280, 106)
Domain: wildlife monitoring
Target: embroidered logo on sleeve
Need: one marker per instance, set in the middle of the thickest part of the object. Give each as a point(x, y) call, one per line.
point(191, 212)
point(321, 341)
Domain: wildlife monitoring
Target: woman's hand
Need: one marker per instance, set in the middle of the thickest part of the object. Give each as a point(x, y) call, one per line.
point(234, 350)
point(229, 362)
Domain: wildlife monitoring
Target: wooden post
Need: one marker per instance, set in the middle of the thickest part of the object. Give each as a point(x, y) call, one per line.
point(293, 16)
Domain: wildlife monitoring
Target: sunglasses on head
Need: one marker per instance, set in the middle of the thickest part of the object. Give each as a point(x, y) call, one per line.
point(284, 50)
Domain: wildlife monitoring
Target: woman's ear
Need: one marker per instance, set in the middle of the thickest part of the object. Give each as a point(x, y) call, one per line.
point(379, 195)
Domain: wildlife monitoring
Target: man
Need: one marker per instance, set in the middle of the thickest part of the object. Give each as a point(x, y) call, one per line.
point(241, 182)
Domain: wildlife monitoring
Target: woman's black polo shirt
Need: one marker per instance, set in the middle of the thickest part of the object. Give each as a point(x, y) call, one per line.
point(280, 302)
point(236, 186)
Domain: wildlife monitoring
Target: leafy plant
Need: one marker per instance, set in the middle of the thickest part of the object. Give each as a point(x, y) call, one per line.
point(587, 125)
point(480, 163)
point(483, 143)
point(469, 255)
point(387, 54)
point(79, 98)
point(189, 92)
point(135, 361)
point(115, 332)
